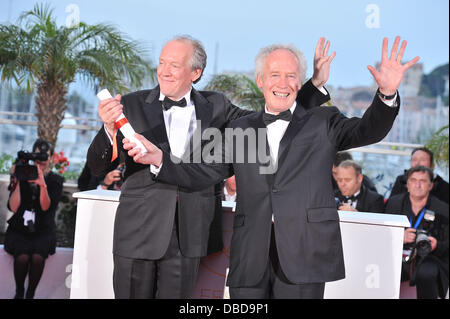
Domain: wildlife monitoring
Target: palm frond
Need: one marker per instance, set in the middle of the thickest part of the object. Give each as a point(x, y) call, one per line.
point(39, 54)
point(240, 89)
point(438, 144)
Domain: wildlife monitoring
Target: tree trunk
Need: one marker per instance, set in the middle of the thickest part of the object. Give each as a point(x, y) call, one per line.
point(50, 107)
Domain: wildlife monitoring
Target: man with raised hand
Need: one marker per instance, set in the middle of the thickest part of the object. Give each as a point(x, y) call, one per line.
point(162, 230)
point(286, 239)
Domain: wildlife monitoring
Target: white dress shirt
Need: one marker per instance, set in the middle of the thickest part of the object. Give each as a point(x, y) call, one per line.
point(180, 125)
point(275, 132)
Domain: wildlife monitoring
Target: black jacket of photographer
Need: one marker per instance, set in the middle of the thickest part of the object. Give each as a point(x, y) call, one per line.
point(401, 204)
point(44, 220)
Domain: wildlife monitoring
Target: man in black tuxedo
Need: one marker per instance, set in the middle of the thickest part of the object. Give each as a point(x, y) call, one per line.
point(286, 238)
point(351, 194)
point(162, 230)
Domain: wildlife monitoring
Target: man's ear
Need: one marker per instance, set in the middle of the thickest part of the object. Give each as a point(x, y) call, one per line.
point(360, 178)
point(259, 81)
point(196, 74)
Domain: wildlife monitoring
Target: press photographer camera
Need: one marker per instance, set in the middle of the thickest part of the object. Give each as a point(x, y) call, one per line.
point(114, 179)
point(422, 245)
point(25, 171)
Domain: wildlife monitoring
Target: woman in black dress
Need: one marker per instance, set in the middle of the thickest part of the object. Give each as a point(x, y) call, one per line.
point(31, 236)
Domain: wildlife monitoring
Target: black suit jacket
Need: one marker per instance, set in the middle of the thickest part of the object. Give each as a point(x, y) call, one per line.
point(370, 201)
point(145, 215)
point(299, 194)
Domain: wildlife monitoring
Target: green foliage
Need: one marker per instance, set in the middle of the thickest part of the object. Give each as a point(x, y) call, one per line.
point(238, 88)
point(36, 50)
point(438, 144)
point(5, 163)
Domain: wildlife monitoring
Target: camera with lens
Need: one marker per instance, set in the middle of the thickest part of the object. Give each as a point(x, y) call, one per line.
point(26, 171)
point(121, 168)
point(422, 245)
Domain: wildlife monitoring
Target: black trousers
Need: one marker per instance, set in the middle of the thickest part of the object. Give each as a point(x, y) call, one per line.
point(275, 285)
point(425, 278)
point(171, 277)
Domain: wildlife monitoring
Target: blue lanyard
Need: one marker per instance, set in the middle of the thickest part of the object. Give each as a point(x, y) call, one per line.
point(418, 219)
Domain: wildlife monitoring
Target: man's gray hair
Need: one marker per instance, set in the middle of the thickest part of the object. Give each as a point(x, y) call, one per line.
point(198, 59)
point(264, 52)
point(350, 163)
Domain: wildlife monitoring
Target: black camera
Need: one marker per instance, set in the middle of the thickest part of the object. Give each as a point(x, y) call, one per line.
point(120, 168)
point(422, 245)
point(25, 171)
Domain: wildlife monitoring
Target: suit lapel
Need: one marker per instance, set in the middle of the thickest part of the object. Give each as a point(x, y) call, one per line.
point(299, 119)
point(153, 112)
point(203, 109)
point(257, 123)
point(203, 114)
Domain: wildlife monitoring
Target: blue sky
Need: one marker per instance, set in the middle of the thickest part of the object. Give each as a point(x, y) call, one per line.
point(241, 27)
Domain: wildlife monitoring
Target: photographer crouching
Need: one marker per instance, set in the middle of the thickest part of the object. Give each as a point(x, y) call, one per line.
point(35, 192)
point(425, 250)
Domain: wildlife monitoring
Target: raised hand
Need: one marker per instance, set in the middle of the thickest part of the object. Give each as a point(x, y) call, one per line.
point(322, 63)
point(153, 155)
point(391, 70)
point(109, 110)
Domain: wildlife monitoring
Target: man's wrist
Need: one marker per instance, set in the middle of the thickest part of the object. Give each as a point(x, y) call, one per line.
point(386, 94)
point(103, 183)
point(318, 84)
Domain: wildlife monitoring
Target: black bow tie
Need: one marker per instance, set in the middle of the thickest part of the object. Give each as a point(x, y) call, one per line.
point(168, 103)
point(270, 118)
point(346, 199)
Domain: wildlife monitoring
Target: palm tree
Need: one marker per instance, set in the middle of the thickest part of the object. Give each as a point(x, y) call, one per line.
point(438, 144)
point(44, 57)
point(240, 89)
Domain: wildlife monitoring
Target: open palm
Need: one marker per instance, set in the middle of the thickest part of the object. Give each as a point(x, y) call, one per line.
point(322, 63)
point(391, 71)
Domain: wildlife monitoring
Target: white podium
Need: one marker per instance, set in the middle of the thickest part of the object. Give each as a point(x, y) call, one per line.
point(372, 246)
point(92, 267)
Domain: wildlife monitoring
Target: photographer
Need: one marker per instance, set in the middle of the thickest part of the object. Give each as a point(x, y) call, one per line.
point(111, 181)
point(425, 250)
point(351, 194)
point(34, 196)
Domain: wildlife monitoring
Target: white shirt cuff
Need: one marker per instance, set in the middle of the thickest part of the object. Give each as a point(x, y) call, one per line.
point(322, 90)
point(155, 170)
